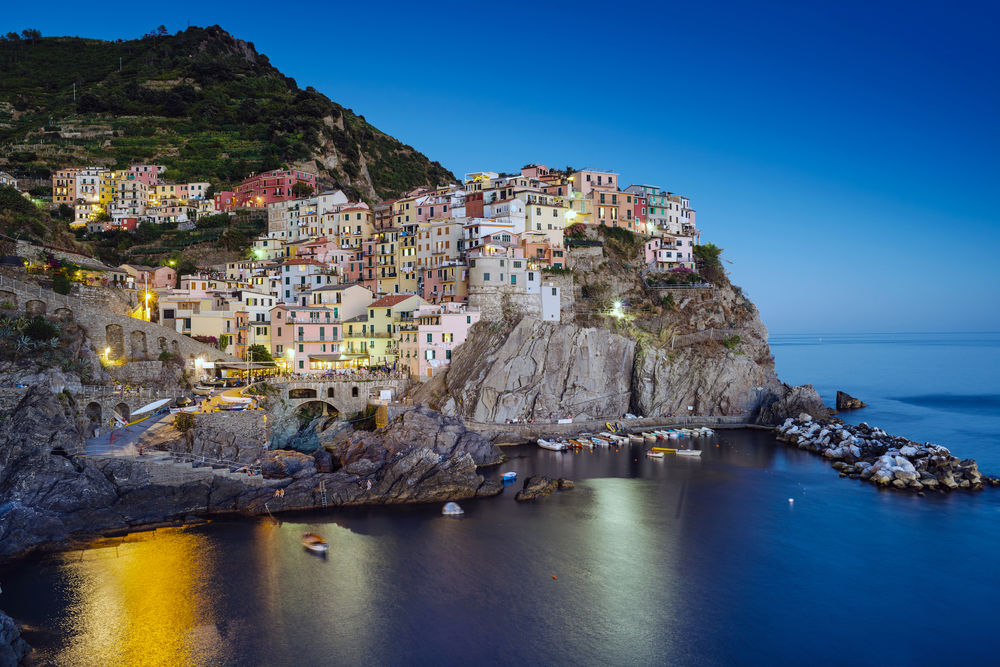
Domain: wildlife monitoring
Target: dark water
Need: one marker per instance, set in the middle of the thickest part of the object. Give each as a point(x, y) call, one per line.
point(676, 561)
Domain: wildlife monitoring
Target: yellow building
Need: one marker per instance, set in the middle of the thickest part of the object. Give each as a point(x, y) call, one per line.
point(376, 333)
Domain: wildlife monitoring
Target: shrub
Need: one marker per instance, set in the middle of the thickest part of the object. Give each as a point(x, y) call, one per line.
point(61, 284)
point(41, 329)
point(557, 270)
point(183, 422)
point(668, 302)
point(731, 341)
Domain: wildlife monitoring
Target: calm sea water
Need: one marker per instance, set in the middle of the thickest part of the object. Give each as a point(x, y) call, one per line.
point(676, 561)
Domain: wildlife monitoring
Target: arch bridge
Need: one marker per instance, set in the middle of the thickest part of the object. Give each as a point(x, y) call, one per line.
point(343, 396)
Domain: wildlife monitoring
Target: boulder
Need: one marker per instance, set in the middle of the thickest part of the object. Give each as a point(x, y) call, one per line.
point(537, 486)
point(13, 649)
point(286, 463)
point(847, 402)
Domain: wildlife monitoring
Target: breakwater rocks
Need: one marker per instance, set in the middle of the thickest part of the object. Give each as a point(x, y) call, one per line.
point(13, 649)
point(847, 402)
point(872, 455)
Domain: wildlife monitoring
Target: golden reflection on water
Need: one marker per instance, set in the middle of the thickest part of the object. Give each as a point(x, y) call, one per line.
point(142, 602)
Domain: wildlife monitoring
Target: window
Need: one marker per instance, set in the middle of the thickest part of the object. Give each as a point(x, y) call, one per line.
point(486, 277)
point(513, 279)
point(300, 348)
point(430, 338)
point(300, 363)
point(554, 291)
point(447, 354)
point(531, 275)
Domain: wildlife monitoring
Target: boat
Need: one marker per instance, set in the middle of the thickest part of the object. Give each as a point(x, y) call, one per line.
point(582, 443)
point(245, 400)
point(509, 476)
point(654, 455)
point(189, 408)
point(314, 543)
point(552, 445)
point(452, 509)
point(600, 442)
point(203, 390)
point(649, 437)
point(636, 438)
point(669, 450)
point(688, 452)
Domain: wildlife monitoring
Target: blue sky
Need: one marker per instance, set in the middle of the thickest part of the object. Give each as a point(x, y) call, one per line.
point(844, 154)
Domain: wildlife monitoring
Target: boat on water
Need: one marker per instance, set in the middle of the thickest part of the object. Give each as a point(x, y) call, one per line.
point(668, 450)
point(452, 509)
point(654, 455)
point(314, 543)
point(688, 452)
point(636, 438)
point(582, 443)
point(509, 476)
point(553, 445)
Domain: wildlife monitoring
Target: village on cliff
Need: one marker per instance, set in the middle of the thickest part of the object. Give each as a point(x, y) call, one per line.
point(335, 284)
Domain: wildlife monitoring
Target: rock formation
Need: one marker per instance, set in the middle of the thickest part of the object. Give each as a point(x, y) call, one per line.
point(871, 454)
point(847, 402)
point(538, 486)
point(50, 496)
point(13, 649)
point(537, 369)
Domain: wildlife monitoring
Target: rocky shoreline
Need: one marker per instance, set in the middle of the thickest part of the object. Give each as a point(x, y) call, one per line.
point(870, 454)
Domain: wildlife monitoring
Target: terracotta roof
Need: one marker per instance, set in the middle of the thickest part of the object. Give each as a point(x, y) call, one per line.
point(390, 301)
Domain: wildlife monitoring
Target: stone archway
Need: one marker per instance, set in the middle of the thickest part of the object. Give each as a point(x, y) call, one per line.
point(8, 299)
point(318, 408)
point(175, 348)
point(329, 392)
point(161, 344)
point(302, 392)
point(137, 344)
point(93, 412)
point(115, 341)
point(123, 412)
point(34, 307)
point(64, 314)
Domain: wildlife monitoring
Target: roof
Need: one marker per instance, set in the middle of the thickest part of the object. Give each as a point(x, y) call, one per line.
point(391, 300)
point(302, 261)
point(336, 288)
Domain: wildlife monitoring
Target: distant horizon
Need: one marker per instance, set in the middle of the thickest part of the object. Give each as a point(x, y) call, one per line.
point(847, 170)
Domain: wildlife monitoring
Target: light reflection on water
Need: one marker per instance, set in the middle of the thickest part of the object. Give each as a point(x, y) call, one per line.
point(656, 562)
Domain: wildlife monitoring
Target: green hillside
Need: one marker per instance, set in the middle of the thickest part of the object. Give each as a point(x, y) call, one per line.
point(201, 102)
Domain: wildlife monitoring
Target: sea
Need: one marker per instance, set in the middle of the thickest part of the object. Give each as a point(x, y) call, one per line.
point(756, 554)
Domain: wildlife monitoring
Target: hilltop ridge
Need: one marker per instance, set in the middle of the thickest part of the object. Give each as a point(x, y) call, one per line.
point(203, 103)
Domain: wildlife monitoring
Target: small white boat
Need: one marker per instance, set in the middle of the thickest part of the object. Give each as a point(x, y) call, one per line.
point(636, 438)
point(452, 509)
point(509, 476)
point(242, 400)
point(688, 452)
point(553, 445)
point(314, 543)
point(649, 437)
point(655, 455)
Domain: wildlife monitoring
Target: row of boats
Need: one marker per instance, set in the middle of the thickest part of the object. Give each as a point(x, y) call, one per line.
point(655, 437)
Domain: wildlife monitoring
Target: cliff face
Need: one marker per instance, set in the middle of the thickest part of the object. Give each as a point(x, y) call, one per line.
point(708, 351)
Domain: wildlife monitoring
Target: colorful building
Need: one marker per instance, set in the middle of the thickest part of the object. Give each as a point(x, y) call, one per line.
point(427, 342)
point(271, 186)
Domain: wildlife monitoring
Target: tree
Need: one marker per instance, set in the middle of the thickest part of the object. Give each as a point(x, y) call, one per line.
point(212, 221)
point(302, 190)
point(65, 211)
point(258, 352)
point(161, 31)
point(61, 284)
point(709, 263)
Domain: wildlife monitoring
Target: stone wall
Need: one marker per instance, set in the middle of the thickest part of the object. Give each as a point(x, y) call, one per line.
point(138, 372)
point(497, 302)
point(125, 338)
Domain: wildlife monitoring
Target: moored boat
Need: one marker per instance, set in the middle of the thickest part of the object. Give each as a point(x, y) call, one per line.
point(654, 455)
point(314, 543)
point(551, 445)
point(669, 450)
point(689, 452)
point(452, 509)
point(509, 476)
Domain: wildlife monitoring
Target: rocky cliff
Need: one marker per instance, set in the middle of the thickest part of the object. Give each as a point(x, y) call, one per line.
point(48, 496)
point(707, 350)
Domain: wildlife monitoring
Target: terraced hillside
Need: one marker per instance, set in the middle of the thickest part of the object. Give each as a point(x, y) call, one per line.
point(201, 102)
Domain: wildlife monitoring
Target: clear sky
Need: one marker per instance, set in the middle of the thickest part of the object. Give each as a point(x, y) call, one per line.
point(844, 154)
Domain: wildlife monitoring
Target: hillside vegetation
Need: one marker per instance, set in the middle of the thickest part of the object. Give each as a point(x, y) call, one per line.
point(200, 102)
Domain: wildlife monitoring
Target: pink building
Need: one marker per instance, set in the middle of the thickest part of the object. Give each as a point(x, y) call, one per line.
point(224, 201)
point(304, 338)
point(426, 345)
point(590, 179)
point(535, 171)
point(158, 277)
point(147, 173)
point(669, 252)
point(271, 186)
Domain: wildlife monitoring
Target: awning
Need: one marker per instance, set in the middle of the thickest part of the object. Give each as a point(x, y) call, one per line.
point(336, 357)
point(152, 406)
point(242, 367)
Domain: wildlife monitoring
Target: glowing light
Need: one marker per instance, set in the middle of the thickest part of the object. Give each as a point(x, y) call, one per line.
point(616, 310)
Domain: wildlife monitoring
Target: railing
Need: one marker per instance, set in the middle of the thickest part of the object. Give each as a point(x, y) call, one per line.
point(32, 289)
point(107, 390)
